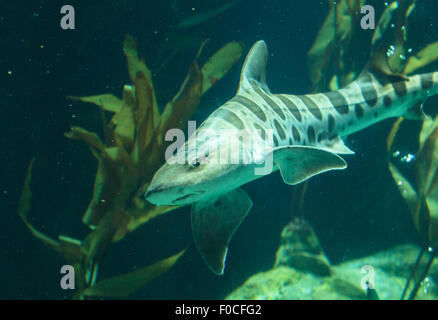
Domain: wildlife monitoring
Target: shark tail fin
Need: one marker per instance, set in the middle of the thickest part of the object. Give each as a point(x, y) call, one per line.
point(254, 68)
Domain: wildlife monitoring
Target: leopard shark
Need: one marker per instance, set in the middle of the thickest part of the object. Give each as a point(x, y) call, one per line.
point(305, 140)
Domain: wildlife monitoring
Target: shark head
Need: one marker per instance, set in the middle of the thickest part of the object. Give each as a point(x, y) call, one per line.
point(183, 184)
point(207, 164)
point(222, 154)
point(203, 173)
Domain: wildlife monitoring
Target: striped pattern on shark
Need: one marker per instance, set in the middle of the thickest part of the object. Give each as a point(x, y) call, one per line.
point(320, 119)
point(307, 131)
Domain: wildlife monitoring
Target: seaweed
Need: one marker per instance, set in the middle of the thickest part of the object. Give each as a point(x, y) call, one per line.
point(422, 200)
point(389, 50)
point(421, 197)
point(335, 41)
point(341, 37)
point(132, 149)
point(329, 65)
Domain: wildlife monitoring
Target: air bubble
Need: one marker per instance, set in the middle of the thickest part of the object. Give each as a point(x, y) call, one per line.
point(390, 51)
point(407, 158)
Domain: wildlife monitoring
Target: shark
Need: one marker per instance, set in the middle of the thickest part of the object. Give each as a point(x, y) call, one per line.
point(305, 133)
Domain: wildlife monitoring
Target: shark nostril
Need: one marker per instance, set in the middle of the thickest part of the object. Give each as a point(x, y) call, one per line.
point(155, 189)
point(147, 193)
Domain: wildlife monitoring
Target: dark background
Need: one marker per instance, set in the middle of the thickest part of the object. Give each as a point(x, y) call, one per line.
point(354, 212)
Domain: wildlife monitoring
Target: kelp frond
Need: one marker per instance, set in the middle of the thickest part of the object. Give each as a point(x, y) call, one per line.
point(337, 55)
point(130, 152)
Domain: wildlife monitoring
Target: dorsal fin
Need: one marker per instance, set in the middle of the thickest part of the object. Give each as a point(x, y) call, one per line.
point(254, 68)
point(379, 67)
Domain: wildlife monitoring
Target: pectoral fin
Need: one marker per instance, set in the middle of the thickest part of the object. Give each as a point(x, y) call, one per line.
point(299, 163)
point(214, 222)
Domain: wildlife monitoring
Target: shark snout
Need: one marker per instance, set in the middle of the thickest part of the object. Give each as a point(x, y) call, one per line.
point(148, 193)
point(171, 196)
point(152, 191)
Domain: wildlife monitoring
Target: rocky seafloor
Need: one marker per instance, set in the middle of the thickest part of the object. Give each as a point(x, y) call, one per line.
point(301, 271)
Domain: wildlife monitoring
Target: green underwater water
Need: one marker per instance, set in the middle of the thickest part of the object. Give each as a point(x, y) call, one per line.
point(357, 214)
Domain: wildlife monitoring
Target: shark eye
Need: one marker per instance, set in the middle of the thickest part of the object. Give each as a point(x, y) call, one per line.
point(195, 164)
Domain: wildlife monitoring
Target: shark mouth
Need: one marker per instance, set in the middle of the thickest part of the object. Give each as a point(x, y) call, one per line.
point(187, 196)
